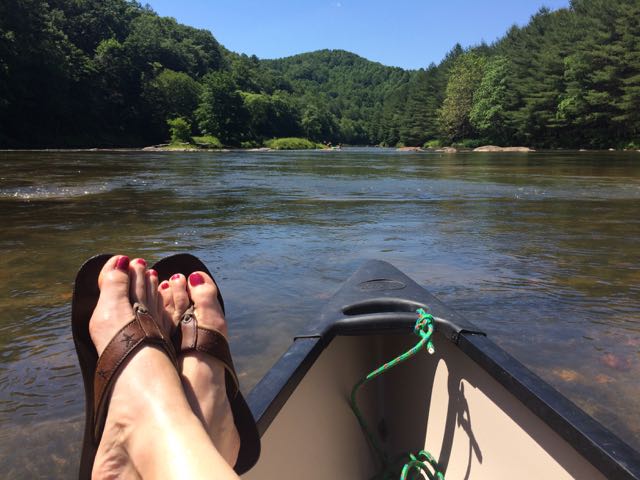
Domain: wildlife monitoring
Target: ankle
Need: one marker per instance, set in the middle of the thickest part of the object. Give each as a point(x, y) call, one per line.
point(158, 429)
point(171, 444)
point(147, 391)
point(204, 383)
point(203, 380)
point(147, 406)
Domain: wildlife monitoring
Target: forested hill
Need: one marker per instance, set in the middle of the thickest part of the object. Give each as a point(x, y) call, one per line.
point(86, 73)
point(344, 91)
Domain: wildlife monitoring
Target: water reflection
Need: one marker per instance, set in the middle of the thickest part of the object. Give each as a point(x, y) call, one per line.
point(539, 249)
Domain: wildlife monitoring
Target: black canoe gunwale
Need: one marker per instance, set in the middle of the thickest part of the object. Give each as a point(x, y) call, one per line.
point(379, 298)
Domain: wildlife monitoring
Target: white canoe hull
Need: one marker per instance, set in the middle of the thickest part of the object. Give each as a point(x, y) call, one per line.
point(479, 412)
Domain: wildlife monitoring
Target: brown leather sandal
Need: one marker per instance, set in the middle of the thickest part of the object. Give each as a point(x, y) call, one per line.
point(100, 373)
point(189, 336)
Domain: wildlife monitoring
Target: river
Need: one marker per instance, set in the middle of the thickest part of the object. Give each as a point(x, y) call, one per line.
point(542, 248)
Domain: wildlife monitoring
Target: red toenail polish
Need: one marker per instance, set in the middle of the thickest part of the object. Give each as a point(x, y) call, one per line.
point(123, 264)
point(196, 279)
point(152, 273)
point(176, 277)
point(142, 262)
point(164, 285)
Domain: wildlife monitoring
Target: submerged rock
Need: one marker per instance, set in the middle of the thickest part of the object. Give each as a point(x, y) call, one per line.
point(488, 148)
point(167, 147)
point(495, 148)
point(408, 149)
point(603, 379)
point(447, 150)
point(615, 362)
point(566, 374)
point(518, 149)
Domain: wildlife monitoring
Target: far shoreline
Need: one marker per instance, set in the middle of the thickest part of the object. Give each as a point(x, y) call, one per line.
point(447, 150)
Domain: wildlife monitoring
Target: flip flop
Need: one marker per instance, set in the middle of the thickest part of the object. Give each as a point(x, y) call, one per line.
point(191, 337)
point(100, 373)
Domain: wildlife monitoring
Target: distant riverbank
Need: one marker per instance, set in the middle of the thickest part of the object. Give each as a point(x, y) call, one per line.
point(169, 148)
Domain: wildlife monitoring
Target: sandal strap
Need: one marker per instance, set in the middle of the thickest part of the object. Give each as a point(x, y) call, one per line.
point(142, 330)
point(191, 337)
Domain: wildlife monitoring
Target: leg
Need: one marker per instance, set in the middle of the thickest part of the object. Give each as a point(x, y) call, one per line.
point(150, 430)
point(203, 377)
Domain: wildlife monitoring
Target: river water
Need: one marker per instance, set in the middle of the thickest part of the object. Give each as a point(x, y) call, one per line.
point(541, 250)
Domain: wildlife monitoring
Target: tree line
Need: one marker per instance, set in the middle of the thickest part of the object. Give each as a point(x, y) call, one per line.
point(80, 73)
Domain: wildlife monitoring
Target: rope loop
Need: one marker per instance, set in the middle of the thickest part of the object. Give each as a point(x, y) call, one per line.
point(418, 464)
point(422, 465)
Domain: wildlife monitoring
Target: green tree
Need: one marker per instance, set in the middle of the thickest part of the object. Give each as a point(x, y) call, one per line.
point(492, 100)
point(592, 75)
point(180, 130)
point(464, 79)
point(221, 110)
point(172, 45)
point(171, 94)
point(245, 72)
point(270, 115)
point(318, 123)
point(285, 116)
point(627, 29)
point(537, 52)
point(420, 118)
point(41, 73)
point(86, 23)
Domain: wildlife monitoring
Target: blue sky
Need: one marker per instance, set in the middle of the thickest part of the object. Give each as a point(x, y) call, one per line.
point(404, 33)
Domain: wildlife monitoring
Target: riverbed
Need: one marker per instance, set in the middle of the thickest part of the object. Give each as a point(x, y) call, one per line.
point(540, 249)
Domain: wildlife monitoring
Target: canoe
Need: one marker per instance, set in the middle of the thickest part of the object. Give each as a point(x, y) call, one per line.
point(476, 410)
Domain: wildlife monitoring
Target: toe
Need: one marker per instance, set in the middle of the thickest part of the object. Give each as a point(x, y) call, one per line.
point(138, 287)
point(153, 298)
point(204, 294)
point(113, 308)
point(180, 296)
point(166, 302)
point(114, 277)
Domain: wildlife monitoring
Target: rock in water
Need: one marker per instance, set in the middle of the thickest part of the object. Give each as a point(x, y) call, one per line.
point(447, 150)
point(408, 149)
point(494, 148)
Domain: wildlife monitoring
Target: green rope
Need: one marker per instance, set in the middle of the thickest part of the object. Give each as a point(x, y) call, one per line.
point(421, 462)
point(421, 465)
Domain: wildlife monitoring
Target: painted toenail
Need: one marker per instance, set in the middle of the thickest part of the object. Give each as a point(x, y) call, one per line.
point(164, 285)
point(176, 277)
point(152, 273)
point(142, 262)
point(196, 279)
point(123, 264)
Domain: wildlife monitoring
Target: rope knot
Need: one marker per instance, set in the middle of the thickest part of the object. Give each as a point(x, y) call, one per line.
point(424, 328)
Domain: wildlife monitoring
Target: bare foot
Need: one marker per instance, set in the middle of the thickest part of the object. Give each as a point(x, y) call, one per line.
point(147, 402)
point(203, 377)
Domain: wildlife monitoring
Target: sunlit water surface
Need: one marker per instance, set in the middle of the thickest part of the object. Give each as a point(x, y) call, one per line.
point(541, 250)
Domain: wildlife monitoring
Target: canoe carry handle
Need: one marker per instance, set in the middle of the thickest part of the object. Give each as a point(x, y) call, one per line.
point(381, 305)
point(378, 314)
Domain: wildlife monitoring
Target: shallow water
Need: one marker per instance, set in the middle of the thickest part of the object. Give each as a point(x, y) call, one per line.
point(539, 249)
